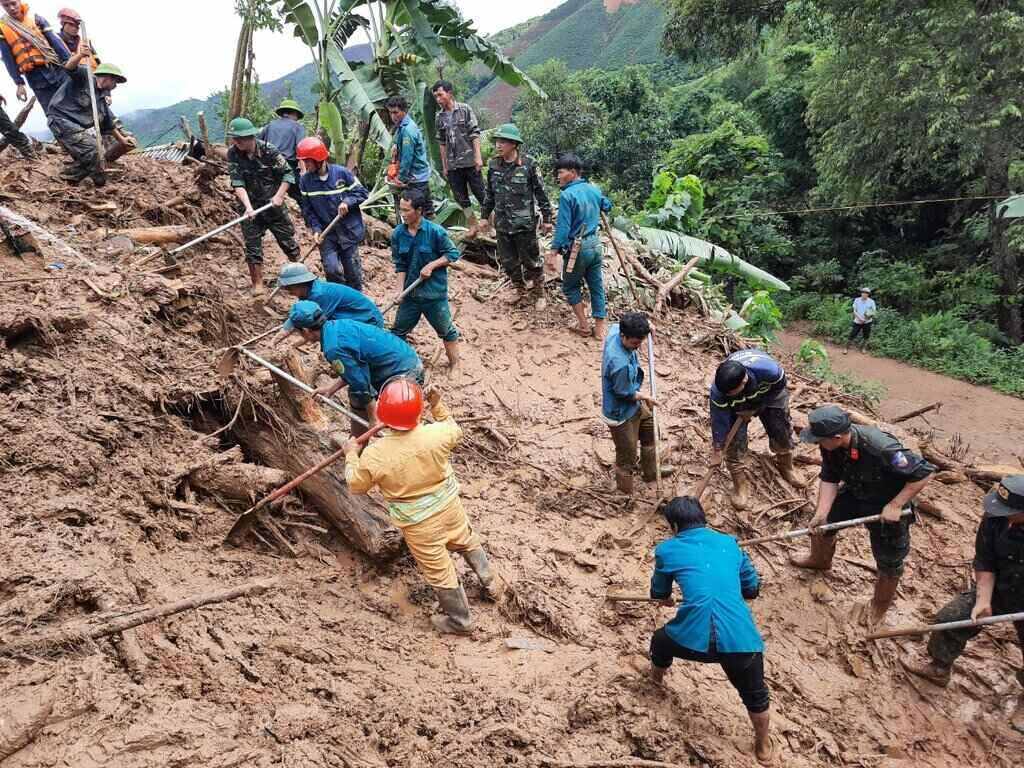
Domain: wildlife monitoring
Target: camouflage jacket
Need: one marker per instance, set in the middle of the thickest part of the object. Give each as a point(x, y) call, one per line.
point(261, 174)
point(511, 191)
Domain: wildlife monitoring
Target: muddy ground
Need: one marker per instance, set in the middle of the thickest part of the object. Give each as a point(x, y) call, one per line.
point(105, 379)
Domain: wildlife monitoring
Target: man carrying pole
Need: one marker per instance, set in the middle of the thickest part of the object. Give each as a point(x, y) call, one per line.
point(878, 476)
point(362, 356)
point(626, 408)
point(751, 383)
point(260, 175)
point(411, 465)
point(998, 586)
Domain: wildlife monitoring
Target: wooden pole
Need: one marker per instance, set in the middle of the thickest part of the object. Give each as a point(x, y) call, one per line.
point(820, 529)
point(622, 260)
point(654, 411)
point(918, 412)
point(100, 154)
point(628, 598)
point(928, 628)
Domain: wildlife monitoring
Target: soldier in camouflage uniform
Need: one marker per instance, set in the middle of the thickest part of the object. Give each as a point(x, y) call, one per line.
point(260, 175)
point(512, 186)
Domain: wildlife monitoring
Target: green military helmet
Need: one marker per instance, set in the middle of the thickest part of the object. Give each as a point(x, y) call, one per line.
point(111, 71)
point(508, 131)
point(290, 105)
point(241, 128)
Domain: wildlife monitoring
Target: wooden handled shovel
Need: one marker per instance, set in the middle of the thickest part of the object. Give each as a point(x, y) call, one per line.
point(246, 519)
point(398, 299)
point(170, 257)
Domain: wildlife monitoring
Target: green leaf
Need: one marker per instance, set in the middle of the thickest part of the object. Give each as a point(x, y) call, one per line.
point(332, 122)
point(429, 124)
point(299, 13)
point(362, 96)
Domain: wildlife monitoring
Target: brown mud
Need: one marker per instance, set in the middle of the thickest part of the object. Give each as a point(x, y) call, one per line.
point(107, 382)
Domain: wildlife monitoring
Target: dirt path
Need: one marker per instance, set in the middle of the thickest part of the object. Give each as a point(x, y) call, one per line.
point(990, 422)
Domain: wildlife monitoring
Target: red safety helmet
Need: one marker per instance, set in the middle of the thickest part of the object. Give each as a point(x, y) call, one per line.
point(400, 404)
point(311, 148)
point(66, 14)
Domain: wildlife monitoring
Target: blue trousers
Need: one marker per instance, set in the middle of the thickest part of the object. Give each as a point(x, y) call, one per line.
point(587, 268)
point(437, 312)
point(45, 83)
point(342, 263)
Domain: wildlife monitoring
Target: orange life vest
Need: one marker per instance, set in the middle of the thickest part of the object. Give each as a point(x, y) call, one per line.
point(26, 55)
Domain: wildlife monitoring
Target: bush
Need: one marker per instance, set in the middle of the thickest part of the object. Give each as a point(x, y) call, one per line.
point(812, 359)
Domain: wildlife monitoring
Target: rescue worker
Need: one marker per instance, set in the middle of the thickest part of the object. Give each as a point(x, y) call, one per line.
point(13, 135)
point(285, 133)
point(32, 52)
point(864, 311)
point(411, 465)
point(328, 191)
point(458, 133)
point(421, 248)
point(513, 184)
point(576, 239)
point(260, 175)
point(71, 118)
point(713, 623)
point(364, 357)
point(998, 587)
point(337, 301)
point(626, 408)
point(411, 155)
point(878, 476)
point(751, 383)
point(70, 24)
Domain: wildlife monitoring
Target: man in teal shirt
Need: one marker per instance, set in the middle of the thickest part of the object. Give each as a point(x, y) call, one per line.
point(576, 238)
point(713, 624)
point(410, 152)
point(422, 249)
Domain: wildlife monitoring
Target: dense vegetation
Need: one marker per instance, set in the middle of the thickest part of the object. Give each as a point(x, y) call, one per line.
point(811, 104)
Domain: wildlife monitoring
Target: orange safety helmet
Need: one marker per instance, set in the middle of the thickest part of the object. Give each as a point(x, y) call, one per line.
point(66, 14)
point(311, 148)
point(400, 404)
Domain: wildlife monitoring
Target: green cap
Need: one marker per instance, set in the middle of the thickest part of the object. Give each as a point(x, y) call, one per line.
point(508, 131)
point(290, 104)
point(112, 71)
point(241, 127)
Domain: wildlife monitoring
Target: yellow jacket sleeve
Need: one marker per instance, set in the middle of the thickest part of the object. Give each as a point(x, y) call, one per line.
point(452, 431)
point(358, 476)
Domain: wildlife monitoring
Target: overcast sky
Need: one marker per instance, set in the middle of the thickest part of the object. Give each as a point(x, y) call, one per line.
point(185, 49)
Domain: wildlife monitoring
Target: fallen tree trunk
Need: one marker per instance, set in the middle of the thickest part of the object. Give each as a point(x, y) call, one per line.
point(176, 233)
point(99, 625)
point(243, 482)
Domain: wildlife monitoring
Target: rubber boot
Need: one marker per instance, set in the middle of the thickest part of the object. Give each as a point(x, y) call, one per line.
point(451, 349)
point(882, 600)
point(455, 619)
point(649, 465)
point(931, 670)
point(481, 565)
point(784, 463)
point(764, 747)
point(624, 481)
point(256, 278)
point(658, 674)
point(823, 549)
point(740, 486)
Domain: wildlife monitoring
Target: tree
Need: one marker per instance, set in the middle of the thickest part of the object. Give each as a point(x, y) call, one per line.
point(701, 28)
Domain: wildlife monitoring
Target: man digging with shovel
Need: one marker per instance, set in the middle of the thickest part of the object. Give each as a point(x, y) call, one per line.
point(260, 175)
point(878, 476)
point(411, 465)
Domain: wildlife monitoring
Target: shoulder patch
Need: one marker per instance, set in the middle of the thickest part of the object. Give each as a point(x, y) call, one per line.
point(339, 367)
point(899, 460)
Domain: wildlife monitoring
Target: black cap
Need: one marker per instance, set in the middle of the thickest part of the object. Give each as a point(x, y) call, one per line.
point(827, 421)
point(1007, 498)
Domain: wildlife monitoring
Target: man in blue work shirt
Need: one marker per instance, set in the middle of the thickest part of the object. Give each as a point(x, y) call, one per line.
point(422, 249)
point(285, 133)
point(576, 239)
point(329, 191)
point(713, 623)
point(338, 302)
point(32, 51)
point(364, 358)
point(409, 150)
point(751, 383)
point(626, 409)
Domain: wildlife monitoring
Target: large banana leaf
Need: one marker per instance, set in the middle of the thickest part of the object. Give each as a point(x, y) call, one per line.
point(429, 111)
point(332, 122)
point(299, 14)
point(363, 96)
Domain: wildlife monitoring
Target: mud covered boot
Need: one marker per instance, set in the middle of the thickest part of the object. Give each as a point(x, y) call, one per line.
point(871, 614)
point(649, 465)
point(784, 463)
point(538, 295)
point(931, 670)
point(624, 481)
point(455, 619)
point(481, 565)
point(740, 486)
point(823, 549)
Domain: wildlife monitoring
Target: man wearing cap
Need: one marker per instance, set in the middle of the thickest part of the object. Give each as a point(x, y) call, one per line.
point(70, 34)
point(458, 133)
point(411, 465)
point(32, 52)
point(422, 249)
point(71, 118)
point(998, 586)
point(751, 383)
point(260, 175)
point(337, 301)
point(410, 153)
point(864, 310)
point(285, 133)
point(878, 476)
point(363, 357)
point(330, 191)
point(513, 185)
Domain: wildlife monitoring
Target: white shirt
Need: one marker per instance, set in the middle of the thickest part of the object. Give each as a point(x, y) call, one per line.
point(863, 310)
